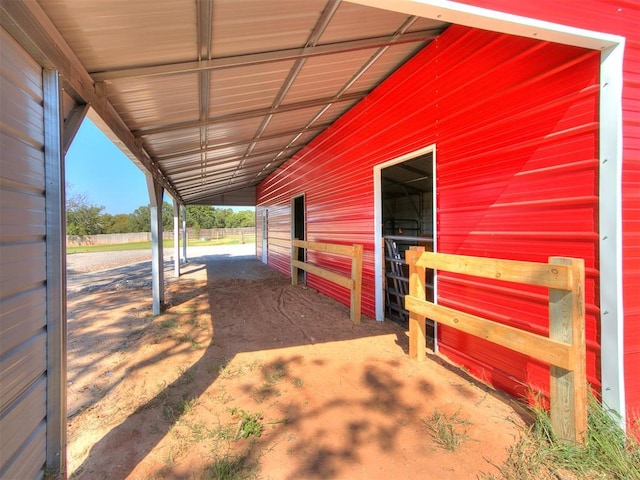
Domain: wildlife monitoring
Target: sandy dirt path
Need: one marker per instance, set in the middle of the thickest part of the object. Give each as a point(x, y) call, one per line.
point(247, 371)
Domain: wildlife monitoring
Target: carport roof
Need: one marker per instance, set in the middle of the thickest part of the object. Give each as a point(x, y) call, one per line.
point(211, 96)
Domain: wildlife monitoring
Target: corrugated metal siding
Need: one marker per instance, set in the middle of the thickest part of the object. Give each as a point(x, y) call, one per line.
point(22, 277)
point(620, 18)
point(515, 126)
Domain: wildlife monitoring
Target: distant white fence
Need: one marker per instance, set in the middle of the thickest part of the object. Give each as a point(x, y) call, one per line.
point(245, 234)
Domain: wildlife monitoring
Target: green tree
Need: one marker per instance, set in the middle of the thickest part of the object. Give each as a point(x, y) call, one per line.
point(140, 219)
point(83, 216)
point(204, 216)
point(118, 223)
point(243, 218)
point(221, 217)
point(167, 216)
point(199, 217)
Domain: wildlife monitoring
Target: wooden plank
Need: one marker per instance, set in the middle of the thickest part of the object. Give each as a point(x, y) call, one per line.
point(536, 346)
point(326, 274)
point(356, 277)
point(542, 274)
point(294, 269)
point(354, 283)
point(347, 250)
point(417, 321)
point(568, 389)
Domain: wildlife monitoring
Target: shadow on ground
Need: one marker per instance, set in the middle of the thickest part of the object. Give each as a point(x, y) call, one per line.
point(335, 400)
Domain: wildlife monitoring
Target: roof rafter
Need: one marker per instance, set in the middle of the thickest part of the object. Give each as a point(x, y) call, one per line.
point(259, 113)
point(27, 21)
point(187, 167)
point(266, 57)
point(236, 143)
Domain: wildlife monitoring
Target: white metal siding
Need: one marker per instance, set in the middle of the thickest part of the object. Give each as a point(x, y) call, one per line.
point(22, 265)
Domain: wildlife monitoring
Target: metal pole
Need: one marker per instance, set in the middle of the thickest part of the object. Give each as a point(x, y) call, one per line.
point(56, 277)
point(157, 264)
point(184, 233)
point(176, 238)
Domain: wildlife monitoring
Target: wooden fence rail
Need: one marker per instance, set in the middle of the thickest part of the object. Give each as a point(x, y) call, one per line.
point(353, 283)
point(564, 349)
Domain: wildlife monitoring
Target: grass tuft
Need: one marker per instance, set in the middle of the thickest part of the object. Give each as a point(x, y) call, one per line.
point(170, 323)
point(249, 424)
point(608, 453)
point(230, 468)
point(446, 429)
point(274, 373)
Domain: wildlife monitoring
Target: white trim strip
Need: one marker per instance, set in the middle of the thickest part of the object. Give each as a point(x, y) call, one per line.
point(468, 15)
point(610, 225)
point(377, 216)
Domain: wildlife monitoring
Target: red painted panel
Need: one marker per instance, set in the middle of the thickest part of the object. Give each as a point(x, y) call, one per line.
point(515, 123)
point(617, 17)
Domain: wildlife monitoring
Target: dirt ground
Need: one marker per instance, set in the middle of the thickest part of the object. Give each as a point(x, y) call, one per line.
point(244, 369)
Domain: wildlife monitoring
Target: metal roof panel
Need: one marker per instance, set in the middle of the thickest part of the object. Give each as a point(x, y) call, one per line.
point(125, 33)
point(247, 26)
point(220, 93)
point(151, 101)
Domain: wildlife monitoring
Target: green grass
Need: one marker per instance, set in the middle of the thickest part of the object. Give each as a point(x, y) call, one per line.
point(608, 454)
point(446, 429)
point(231, 468)
point(249, 424)
point(119, 247)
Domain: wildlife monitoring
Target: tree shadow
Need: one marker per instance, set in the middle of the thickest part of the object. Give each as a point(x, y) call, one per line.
point(294, 317)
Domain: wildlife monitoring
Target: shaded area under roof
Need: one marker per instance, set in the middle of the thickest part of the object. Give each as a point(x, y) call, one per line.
point(218, 94)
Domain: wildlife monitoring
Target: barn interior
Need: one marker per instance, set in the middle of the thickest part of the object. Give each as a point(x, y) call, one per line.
point(408, 220)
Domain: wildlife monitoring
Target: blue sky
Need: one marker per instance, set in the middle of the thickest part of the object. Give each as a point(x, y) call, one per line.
point(95, 167)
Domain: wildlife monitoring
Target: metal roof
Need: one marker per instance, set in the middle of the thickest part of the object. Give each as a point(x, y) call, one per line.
point(214, 95)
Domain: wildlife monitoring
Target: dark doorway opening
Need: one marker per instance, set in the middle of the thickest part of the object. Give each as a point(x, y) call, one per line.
point(298, 227)
point(408, 220)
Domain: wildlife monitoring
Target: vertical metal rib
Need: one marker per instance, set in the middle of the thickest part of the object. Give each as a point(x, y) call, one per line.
point(313, 39)
point(361, 71)
point(204, 32)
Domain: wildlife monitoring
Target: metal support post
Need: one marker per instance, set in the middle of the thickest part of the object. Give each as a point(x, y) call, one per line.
point(184, 233)
point(176, 238)
point(157, 253)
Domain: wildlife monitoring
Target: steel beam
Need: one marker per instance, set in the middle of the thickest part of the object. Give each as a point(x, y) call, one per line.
point(72, 124)
point(157, 252)
point(184, 233)
point(262, 58)
point(258, 113)
point(236, 143)
point(56, 286)
point(176, 238)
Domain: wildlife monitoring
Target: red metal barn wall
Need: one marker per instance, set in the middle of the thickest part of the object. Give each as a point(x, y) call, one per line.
point(622, 18)
point(514, 121)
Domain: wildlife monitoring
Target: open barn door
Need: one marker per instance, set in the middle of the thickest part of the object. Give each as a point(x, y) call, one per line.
point(405, 217)
point(298, 226)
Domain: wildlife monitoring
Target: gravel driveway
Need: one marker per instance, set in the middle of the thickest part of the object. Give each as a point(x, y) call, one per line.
point(132, 268)
point(78, 263)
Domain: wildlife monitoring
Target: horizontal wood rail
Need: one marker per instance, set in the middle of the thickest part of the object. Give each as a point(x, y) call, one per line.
point(564, 349)
point(353, 283)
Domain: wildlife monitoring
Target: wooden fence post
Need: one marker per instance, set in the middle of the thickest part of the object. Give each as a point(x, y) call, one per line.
point(417, 289)
point(356, 290)
point(294, 269)
point(568, 389)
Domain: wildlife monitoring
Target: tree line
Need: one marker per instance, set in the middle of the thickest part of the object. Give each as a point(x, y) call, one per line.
point(86, 218)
